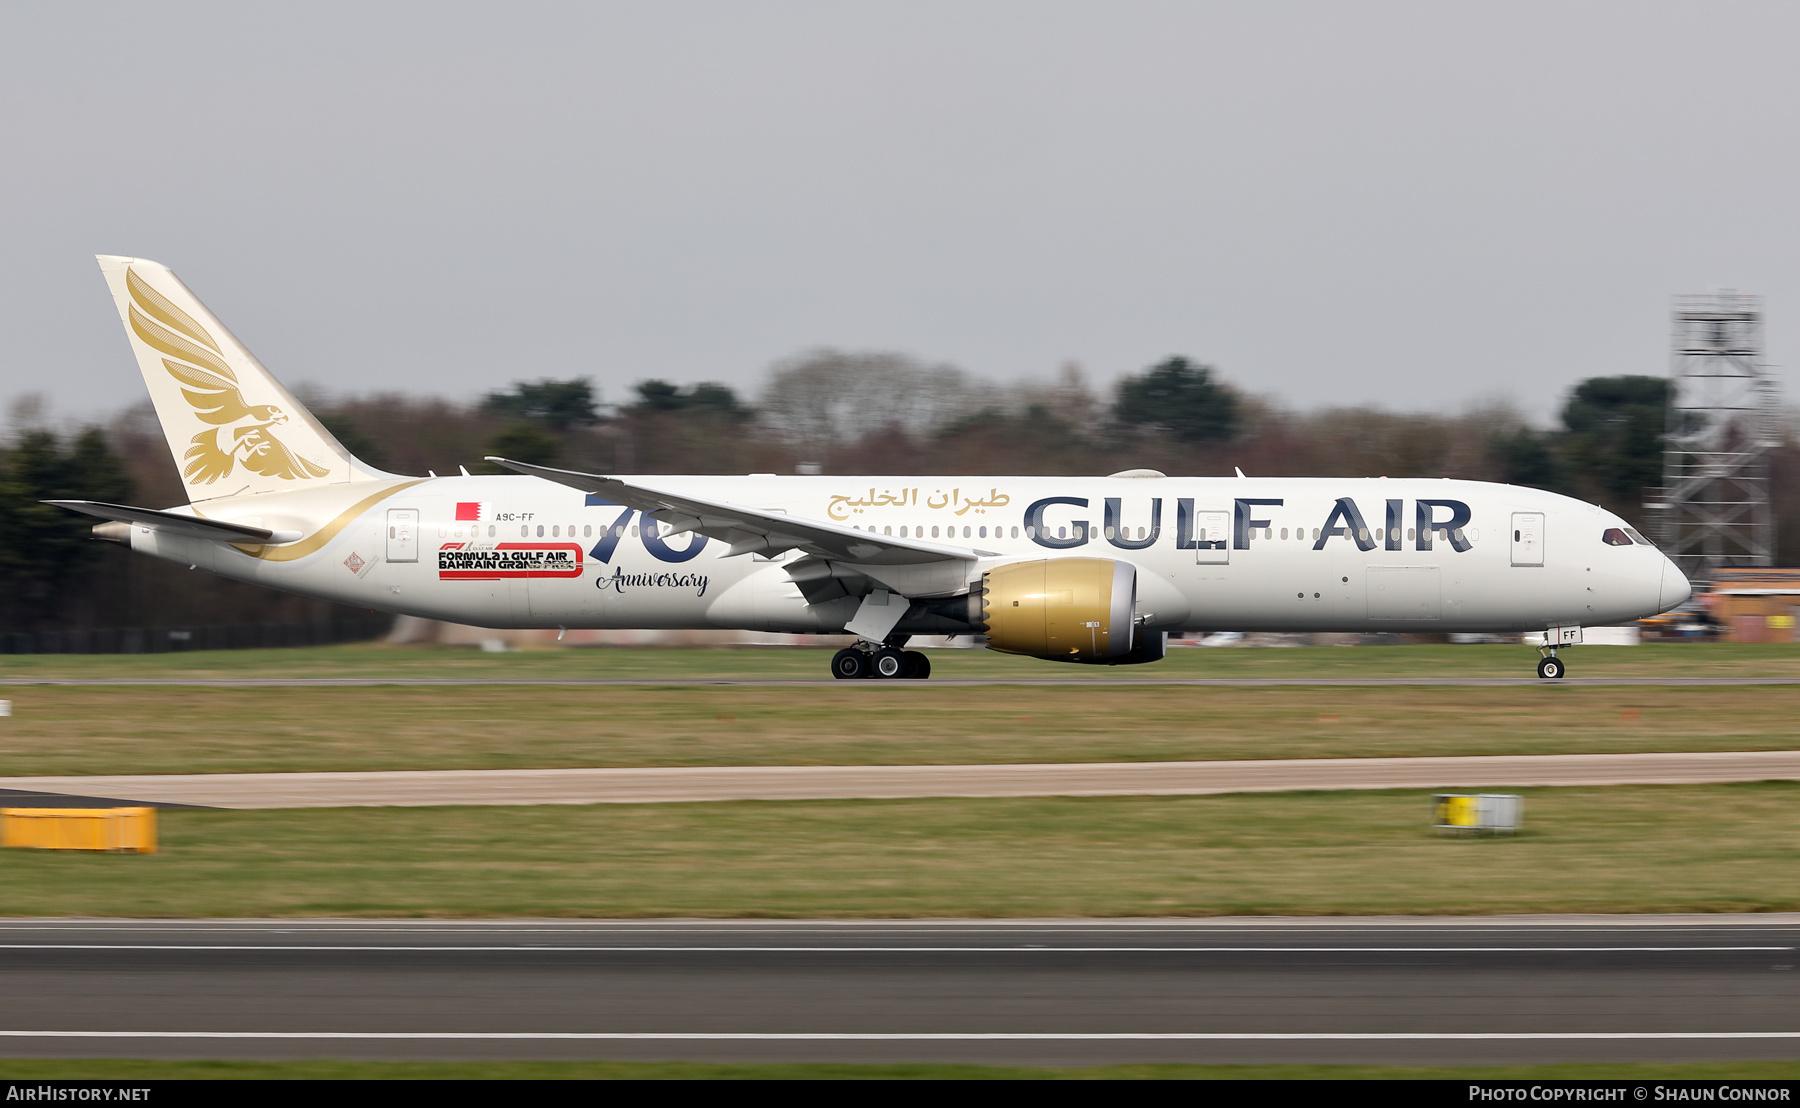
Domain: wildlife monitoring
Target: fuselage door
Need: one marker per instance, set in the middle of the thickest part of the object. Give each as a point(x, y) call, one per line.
point(1528, 538)
point(1212, 533)
point(403, 535)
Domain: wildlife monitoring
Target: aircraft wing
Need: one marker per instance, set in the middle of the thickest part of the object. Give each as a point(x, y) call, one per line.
point(169, 522)
point(753, 530)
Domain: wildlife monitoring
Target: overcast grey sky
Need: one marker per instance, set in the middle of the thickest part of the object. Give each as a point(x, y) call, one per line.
point(1411, 205)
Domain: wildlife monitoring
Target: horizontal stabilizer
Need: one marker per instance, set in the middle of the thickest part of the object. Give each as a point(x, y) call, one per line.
point(752, 530)
point(171, 523)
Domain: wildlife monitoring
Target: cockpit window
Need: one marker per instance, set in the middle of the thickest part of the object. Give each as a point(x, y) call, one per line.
point(1637, 538)
point(1616, 536)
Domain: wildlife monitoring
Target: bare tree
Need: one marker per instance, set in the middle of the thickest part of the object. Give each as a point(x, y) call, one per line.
point(826, 398)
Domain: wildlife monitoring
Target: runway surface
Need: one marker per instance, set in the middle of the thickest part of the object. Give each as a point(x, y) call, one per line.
point(414, 788)
point(1443, 991)
point(936, 682)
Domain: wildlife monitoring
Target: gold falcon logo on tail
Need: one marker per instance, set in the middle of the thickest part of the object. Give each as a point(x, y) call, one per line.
point(194, 359)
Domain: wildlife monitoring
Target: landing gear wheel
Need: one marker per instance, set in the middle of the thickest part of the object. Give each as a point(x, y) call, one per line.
point(887, 662)
point(918, 666)
point(849, 664)
point(1550, 669)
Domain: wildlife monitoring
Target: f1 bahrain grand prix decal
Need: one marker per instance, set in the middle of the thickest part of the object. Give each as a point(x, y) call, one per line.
point(459, 562)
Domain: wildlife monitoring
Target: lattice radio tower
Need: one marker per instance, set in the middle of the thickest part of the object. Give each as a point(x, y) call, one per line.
point(1713, 508)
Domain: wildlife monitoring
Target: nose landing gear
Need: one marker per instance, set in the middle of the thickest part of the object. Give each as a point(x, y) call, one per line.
point(1551, 668)
point(888, 662)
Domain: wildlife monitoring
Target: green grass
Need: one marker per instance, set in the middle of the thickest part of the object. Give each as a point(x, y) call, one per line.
point(1298, 663)
point(126, 1069)
point(134, 729)
point(1731, 848)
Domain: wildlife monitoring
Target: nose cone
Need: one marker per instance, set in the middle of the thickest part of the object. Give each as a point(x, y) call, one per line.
point(1676, 588)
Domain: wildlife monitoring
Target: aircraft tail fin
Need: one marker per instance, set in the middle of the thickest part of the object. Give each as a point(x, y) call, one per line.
point(231, 426)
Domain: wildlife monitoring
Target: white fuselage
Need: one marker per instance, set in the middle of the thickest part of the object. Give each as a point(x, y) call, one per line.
point(1269, 554)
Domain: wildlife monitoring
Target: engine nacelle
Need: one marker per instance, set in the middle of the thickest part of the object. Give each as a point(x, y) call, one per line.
point(1062, 609)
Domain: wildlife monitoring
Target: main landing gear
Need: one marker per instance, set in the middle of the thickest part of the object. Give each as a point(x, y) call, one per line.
point(869, 660)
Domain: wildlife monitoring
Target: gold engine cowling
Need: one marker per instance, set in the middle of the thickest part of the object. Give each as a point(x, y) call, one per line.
point(1064, 609)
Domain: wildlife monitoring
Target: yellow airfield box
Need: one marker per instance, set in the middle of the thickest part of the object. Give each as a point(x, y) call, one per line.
point(1494, 813)
point(118, 830)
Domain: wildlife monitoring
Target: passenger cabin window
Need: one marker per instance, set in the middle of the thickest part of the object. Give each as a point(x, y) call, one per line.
point(1616, 536)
